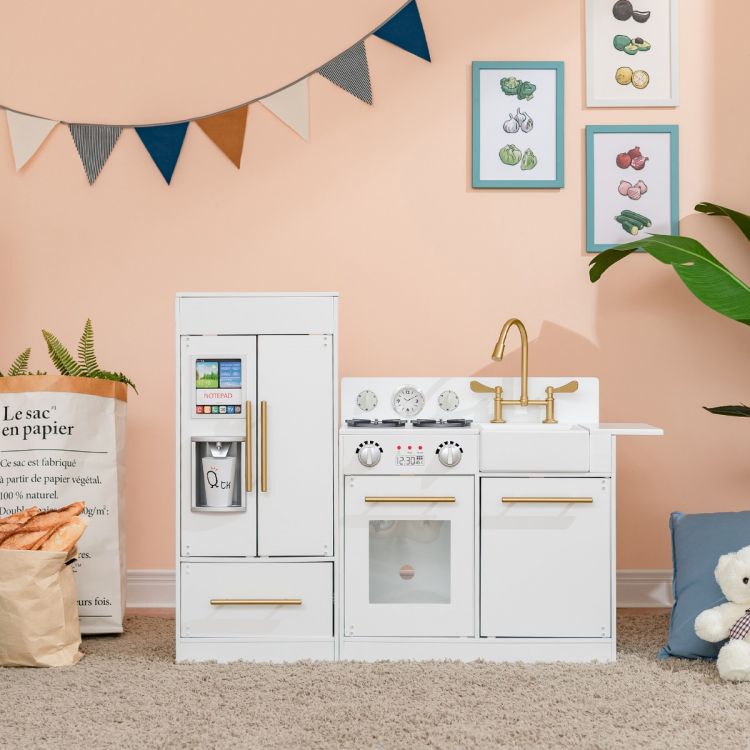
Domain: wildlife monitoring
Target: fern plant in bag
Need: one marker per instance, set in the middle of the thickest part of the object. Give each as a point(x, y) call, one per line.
point(86, 366)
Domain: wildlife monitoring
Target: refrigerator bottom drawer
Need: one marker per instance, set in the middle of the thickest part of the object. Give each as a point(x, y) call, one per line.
point(256, 600)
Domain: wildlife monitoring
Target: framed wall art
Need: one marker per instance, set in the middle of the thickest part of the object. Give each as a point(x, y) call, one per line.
point(632, 184)
point(517, 125)
point(631, 53)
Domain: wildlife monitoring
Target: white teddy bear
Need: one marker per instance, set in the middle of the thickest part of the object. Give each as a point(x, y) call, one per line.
point(730, 620)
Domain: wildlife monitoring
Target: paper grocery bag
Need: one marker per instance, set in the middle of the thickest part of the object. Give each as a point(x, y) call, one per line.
point(62, 439)
point(38, 610)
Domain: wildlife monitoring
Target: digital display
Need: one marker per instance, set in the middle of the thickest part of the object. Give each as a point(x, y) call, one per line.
point(218, 386)
point(417, 460)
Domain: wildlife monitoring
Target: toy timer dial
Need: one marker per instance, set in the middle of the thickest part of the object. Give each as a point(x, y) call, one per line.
point(449, 453)
point(448, 400)
point(367, 400)
point(369, 453)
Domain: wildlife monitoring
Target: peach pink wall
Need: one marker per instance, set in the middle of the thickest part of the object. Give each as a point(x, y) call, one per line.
point(378, 207)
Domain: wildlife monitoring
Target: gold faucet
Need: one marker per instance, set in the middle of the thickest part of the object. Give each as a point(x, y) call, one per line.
point(499, 401)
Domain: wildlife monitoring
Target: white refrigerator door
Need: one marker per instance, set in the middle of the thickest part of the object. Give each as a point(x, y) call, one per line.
point(210, 533)
point(295, 497)
point(546, 549)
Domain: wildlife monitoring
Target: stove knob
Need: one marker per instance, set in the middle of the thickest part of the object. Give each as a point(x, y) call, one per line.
point(369, 454)
point(449, 454)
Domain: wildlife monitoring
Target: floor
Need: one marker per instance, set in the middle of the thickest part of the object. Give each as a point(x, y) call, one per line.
point(128, 693)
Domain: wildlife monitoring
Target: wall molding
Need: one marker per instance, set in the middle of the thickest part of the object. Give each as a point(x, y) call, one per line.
point(635, 588)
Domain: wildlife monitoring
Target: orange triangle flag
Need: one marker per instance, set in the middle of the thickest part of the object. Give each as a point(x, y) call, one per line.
point(227, 131)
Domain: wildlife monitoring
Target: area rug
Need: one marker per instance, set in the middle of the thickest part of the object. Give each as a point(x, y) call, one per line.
point(128, 693)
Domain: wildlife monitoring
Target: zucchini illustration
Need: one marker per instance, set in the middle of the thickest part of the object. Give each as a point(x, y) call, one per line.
point(643, 220)
point(628, 224)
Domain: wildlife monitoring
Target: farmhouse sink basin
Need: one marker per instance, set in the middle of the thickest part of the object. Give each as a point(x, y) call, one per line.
point(537, 447)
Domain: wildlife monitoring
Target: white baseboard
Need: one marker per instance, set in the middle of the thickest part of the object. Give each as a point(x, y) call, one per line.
point(635, 588)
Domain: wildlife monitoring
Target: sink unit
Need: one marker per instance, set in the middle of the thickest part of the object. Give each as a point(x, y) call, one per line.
point(479, 540)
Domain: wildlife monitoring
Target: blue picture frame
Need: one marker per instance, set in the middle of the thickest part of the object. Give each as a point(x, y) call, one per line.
point(591, 190)
point(559, 179)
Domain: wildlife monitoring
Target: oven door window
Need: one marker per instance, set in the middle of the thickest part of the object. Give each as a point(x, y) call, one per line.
point(410, 561)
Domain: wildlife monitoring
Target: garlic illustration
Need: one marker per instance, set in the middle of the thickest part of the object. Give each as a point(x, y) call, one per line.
point(511, 125)
point(524, 121)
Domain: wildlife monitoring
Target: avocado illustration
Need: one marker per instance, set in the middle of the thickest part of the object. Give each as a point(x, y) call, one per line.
point(642, 44)
point(621, 41)
point(631, 48)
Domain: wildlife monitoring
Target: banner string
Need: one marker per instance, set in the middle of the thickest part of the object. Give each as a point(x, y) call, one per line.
point(221, 111)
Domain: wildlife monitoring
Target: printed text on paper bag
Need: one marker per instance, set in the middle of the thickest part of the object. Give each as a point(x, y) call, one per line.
point(32, 423)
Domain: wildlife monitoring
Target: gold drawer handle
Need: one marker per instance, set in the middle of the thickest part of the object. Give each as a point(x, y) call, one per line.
point(256, 602)
point(548, 500)
point(410, 499)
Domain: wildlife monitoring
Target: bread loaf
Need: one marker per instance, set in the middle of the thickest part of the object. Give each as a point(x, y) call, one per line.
point(52, 518)
point(65, 536)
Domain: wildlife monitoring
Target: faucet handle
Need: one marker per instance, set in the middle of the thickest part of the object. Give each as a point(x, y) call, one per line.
point(570, 387)
point(478, 387)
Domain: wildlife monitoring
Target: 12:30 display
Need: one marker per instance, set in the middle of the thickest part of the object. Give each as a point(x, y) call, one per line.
point(417, 460)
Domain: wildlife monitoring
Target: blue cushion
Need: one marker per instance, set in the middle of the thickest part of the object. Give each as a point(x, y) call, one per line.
point(698, 541)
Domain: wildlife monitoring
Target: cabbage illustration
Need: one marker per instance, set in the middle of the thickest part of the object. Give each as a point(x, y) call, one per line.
point(528, 160)
point(510, 85)
point(513, 87)
point(510, 155)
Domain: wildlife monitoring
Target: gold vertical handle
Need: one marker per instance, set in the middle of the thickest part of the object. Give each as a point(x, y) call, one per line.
point(248, 446)
point(263, 446)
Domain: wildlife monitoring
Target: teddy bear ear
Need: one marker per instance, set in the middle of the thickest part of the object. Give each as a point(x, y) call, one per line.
point(723, 564)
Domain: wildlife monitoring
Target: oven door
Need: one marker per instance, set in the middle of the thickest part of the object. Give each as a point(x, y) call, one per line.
point(409, 548)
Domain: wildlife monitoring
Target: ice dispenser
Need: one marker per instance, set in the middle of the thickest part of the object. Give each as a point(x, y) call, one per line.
point(217, 476)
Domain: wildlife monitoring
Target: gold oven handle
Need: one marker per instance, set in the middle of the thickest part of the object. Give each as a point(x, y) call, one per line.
point(263, 446)
point(256, 602)
point(410, 499)
point(547, 500)
point(248, 446)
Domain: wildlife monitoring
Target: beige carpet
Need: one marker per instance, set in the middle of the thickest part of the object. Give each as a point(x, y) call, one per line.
point(128, 693)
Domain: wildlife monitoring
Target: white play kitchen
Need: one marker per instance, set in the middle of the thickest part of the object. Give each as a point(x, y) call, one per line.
point(475, 518)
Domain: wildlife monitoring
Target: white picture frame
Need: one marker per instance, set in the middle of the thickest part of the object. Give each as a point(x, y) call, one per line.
point(608, 58)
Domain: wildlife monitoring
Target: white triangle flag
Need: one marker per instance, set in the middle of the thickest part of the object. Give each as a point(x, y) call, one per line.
point(27, 133)
point(291, 106)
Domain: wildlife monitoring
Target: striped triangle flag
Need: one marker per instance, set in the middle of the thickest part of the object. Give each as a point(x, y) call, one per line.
point(405, 30)
point(291, 106)
point(227, 131)
point(164, 143)
point(27, 133)
point(350, 72)
point(94, 144)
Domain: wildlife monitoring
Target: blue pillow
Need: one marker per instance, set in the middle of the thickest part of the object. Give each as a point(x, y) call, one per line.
point(698, 541)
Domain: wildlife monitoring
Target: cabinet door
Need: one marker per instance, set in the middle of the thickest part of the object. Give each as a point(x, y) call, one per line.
point(546, 558)
point(214, 532)
point(295, 393)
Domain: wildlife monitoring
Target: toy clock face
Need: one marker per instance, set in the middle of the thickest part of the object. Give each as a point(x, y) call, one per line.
point(408, 401)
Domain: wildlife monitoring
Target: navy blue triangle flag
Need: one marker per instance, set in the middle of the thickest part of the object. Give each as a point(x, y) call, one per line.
point(164, 143)
point(405, 30)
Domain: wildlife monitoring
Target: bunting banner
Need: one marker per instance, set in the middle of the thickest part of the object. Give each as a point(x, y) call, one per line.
point(227, 131)
point(291, 105)
point(405, 30)
point(164, 143)
point(27, 133)
point(348, 71)
point(94, 144)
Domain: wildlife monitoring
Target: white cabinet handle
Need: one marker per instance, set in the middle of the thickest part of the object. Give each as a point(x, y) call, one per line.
point(256, 602)
point(547, 500)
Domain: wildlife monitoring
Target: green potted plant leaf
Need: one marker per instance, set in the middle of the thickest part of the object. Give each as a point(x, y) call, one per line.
point(703, 274)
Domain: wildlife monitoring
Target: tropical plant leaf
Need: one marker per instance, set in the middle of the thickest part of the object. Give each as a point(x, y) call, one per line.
point(118, 376)
point(20, 364)
point(61, 357)
point(740, 219)
point(704, 275)
point(736, 410)
point(86, 354)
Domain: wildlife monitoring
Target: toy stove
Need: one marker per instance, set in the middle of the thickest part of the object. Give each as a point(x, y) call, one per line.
point(409, 453)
